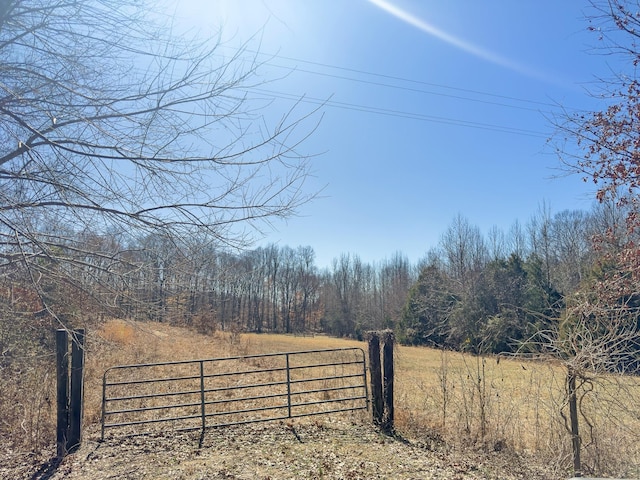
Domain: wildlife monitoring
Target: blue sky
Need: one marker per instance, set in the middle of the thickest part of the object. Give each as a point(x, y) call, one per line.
point(434, 108)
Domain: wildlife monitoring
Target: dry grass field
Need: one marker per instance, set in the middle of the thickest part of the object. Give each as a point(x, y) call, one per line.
point(505, 413)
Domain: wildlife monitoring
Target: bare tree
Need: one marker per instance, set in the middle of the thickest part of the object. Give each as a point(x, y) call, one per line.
point(395, 279)
point(540, 239)
point(517, 242)
point(497, 243)
point(600, 332)
point(571, 233)
point(110, 123)
point(465, 251)
point(598, 343)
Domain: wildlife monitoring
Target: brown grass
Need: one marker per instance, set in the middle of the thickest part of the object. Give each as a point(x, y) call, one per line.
point(499, 403)
point(460, 399)
point(118, 331)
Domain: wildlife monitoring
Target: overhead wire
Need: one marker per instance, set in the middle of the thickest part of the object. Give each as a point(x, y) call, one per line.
point(409, 89)
point(532, 104)
point(400, 113)
point(401, 79)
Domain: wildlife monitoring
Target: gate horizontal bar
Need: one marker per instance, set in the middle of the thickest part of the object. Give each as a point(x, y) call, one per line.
point(152, 380)
point(151, 420)
point(152, 395)
point(298, 367)
point(242, 399)
point(320, 390)
point(318, 379)
point(248, 410)
point(332, 400)
point(155, 407)
point(240, 387)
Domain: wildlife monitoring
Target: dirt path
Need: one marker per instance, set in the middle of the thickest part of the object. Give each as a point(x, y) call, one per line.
point(315, 449)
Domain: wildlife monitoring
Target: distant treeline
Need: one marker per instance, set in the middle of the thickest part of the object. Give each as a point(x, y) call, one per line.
point(474, 291)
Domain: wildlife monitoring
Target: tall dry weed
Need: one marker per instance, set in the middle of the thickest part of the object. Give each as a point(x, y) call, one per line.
point(118, 331)
point(27, 404)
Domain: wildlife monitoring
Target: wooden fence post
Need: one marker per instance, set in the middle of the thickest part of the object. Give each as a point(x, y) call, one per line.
point(387, 365)
point(62, 383)
point(382, 378)
point(69, 390)
point(573, 420)
point(375, 373)
point(76, 397)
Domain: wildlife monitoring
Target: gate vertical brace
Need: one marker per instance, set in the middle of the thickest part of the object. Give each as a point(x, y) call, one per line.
point(288, 387)
point(364, 380)
point(76, 390)
point(202, 403)
point(104, 405)
point(62, 383)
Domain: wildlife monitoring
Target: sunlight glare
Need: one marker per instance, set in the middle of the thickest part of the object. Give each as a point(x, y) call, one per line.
point(455, 41)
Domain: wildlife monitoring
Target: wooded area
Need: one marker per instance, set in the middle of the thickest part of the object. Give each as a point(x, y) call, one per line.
point(486, 294)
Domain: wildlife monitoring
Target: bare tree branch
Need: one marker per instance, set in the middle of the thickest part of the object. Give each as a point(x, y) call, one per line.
point(111, 123)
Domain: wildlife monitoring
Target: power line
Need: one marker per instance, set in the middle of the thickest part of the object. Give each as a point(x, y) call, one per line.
point(401, 114)
point(527, 104)
point(415, 90)
point(406, 80)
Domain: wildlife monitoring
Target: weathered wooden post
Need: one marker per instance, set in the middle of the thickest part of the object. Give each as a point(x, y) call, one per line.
point(375, 373)
point(69, 390)
point(573, 420)
point(76, 396)
point(381, 378)
point(387, 370)
point(62, 383)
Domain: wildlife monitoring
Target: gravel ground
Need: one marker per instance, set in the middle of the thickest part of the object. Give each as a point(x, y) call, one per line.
point(311, 449)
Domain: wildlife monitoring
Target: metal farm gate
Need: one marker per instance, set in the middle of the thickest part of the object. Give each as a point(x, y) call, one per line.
point(200, 394)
